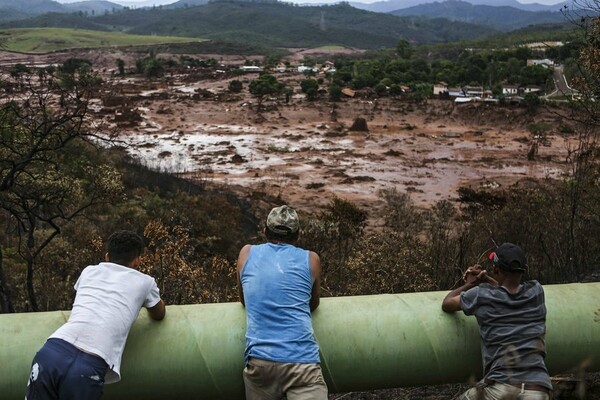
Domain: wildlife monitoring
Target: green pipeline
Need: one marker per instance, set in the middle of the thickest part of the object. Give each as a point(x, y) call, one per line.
point(367, 342)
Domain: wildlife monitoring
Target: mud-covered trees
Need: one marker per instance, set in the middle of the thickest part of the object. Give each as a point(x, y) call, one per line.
point(265, 85)
point(48, 171)
point(310, 87)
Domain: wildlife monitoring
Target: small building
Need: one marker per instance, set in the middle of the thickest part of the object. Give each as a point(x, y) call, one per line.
point(303, 68)
point(509, 90)
point(532, 89)
point(251, 68)
point(473, 91)
point(281, 67)
point(328, 67)
point(545, 62)
point(439, 88)
point(455, 92)
point(543, 46)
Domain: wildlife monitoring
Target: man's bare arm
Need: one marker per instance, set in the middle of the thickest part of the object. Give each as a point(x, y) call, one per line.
point(473, 276)
point(243, 256)
point(315, 269)
point(158, 311)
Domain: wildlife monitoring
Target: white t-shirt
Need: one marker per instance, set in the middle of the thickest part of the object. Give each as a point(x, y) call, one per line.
point(108, 301)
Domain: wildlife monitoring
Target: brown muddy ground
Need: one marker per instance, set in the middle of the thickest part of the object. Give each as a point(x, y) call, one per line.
point(303, 151)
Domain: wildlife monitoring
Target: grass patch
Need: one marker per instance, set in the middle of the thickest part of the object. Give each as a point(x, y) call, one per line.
point(332, 47)
point(46, 40)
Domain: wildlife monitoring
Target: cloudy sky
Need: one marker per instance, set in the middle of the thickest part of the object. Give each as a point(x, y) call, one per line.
point(158, 2)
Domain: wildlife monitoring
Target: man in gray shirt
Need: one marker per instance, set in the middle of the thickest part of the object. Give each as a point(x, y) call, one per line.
point(512, 323)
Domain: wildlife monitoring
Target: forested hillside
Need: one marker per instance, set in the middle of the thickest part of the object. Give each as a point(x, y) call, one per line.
point(13, 10)
point(274, 24)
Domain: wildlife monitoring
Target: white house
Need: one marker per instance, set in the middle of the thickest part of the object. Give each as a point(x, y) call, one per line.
point(251, 68)
point(455, 92)
point(545, 62)
point(532, 89)
point(439, 88)
point(328, 67)
point(473, 91)
point(510, 90)
point(303, 68)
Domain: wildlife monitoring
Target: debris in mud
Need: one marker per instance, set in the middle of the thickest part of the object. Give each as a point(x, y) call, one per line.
point(335, 134)
point(315, 185)
point(237, 159)
point(393, 153)
point(163, 109)
point(127, 117)
point(359, 125)
point(451, 135)
point(353, 179)
point(522, 139)
point(490, 185)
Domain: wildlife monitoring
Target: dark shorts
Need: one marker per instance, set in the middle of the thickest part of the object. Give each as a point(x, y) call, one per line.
point(61, 371)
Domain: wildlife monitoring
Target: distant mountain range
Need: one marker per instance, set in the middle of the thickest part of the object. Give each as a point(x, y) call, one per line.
point(393, 5)
point(11, 10)
point(19, 9)
point(274, 23)
point(503, 18)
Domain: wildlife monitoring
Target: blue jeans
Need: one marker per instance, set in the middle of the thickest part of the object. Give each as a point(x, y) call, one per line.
point(61, 371)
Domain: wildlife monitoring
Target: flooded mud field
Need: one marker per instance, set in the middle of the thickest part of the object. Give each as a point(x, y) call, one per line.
point(306, 152)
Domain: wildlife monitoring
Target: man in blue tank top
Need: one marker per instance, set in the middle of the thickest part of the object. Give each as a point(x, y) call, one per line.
point(279, 284)
point(512, 324)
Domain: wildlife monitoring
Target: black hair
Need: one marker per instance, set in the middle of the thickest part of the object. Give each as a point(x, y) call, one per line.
point(288, 237)
point(124, 247)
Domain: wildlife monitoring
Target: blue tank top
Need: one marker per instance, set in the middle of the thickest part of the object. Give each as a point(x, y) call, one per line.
point(277, 284)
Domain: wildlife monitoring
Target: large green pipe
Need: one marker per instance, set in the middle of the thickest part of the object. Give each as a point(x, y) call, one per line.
point(367, 342)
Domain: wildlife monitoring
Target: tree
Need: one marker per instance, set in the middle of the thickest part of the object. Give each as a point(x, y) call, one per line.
point(582, 183)
point(335, 92)
point(310, 87)
point(18, 69)
point(264, 85)
point(150, 66)
point(531, 101)
point(121, 66)
point(235, 86)
point(48, 174)
point(404, 50)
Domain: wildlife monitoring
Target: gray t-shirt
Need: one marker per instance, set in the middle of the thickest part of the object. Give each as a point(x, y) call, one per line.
point(512, 329)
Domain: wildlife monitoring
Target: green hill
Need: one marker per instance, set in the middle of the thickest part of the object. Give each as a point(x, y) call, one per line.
point(56, 20)
point(43, 40)
point(280, 25)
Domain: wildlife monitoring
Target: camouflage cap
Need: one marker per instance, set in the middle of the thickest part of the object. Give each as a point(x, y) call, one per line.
point(283, 220)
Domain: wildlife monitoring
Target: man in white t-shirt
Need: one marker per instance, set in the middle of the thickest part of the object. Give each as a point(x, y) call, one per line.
point(83, 354)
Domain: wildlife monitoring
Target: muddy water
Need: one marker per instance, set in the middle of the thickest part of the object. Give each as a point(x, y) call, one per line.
point(304, 154)
point(311, 167)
